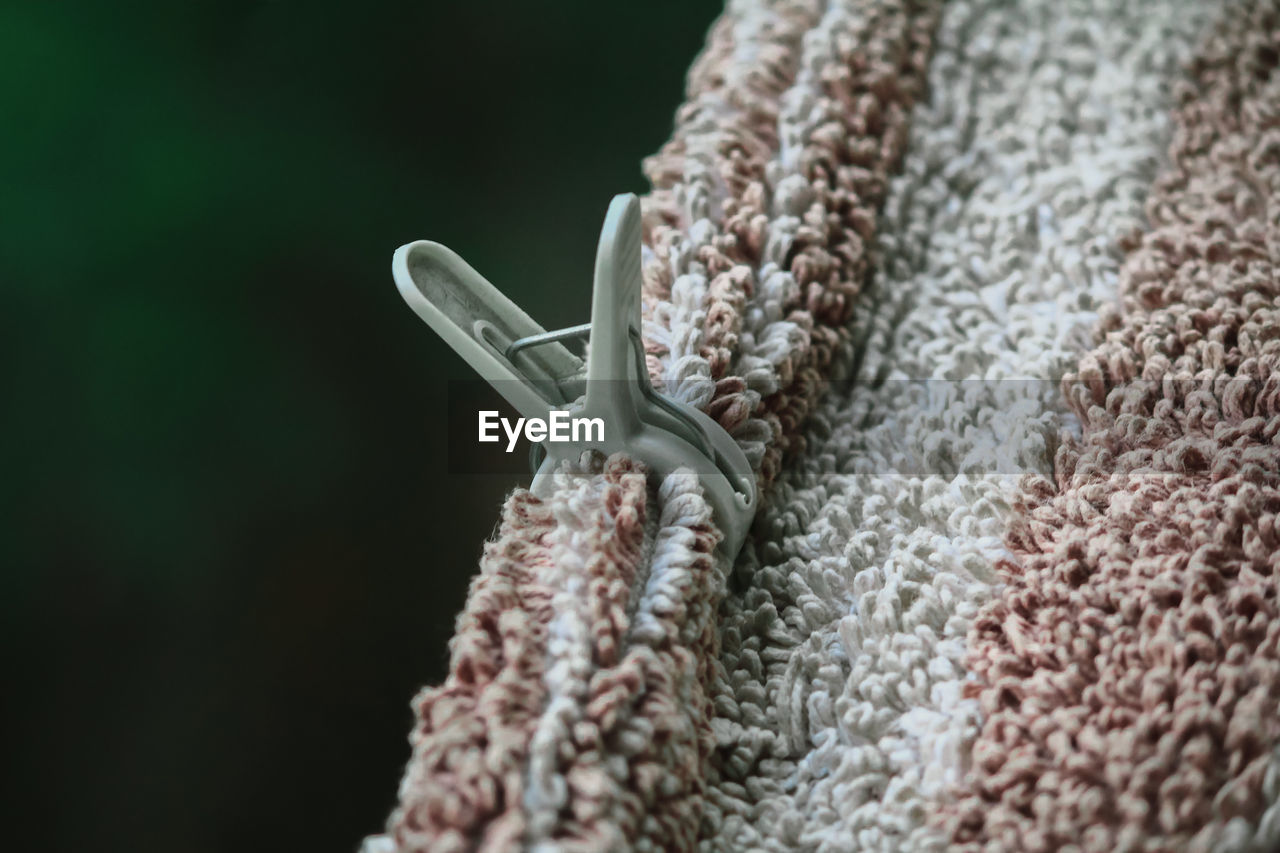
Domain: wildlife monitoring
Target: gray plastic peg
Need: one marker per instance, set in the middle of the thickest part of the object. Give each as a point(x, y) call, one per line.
point(537, 373)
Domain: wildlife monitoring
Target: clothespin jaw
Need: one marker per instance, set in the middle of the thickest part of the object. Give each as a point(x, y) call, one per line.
point(537, 373)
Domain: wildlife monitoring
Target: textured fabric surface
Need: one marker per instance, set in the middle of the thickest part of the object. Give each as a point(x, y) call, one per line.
point(980, 607)
point(469, 773)
point(844, 718)
point(575, 712)
point(1128, 674)
point(764, 205)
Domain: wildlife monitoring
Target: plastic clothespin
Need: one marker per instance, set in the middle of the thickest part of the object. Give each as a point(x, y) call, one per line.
point(536, 373)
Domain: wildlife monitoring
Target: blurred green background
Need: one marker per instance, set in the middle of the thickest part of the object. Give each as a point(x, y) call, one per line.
point(233, 550)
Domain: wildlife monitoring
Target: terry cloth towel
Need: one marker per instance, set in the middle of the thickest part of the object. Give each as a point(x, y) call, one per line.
point(987, 291)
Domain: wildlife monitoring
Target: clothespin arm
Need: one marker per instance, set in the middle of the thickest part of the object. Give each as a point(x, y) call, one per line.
point(480, 323)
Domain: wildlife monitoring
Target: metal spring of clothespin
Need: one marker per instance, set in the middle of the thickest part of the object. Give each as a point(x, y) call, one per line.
point(537, 373)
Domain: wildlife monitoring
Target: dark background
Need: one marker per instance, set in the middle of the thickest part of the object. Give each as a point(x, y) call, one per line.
point(233, 549)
